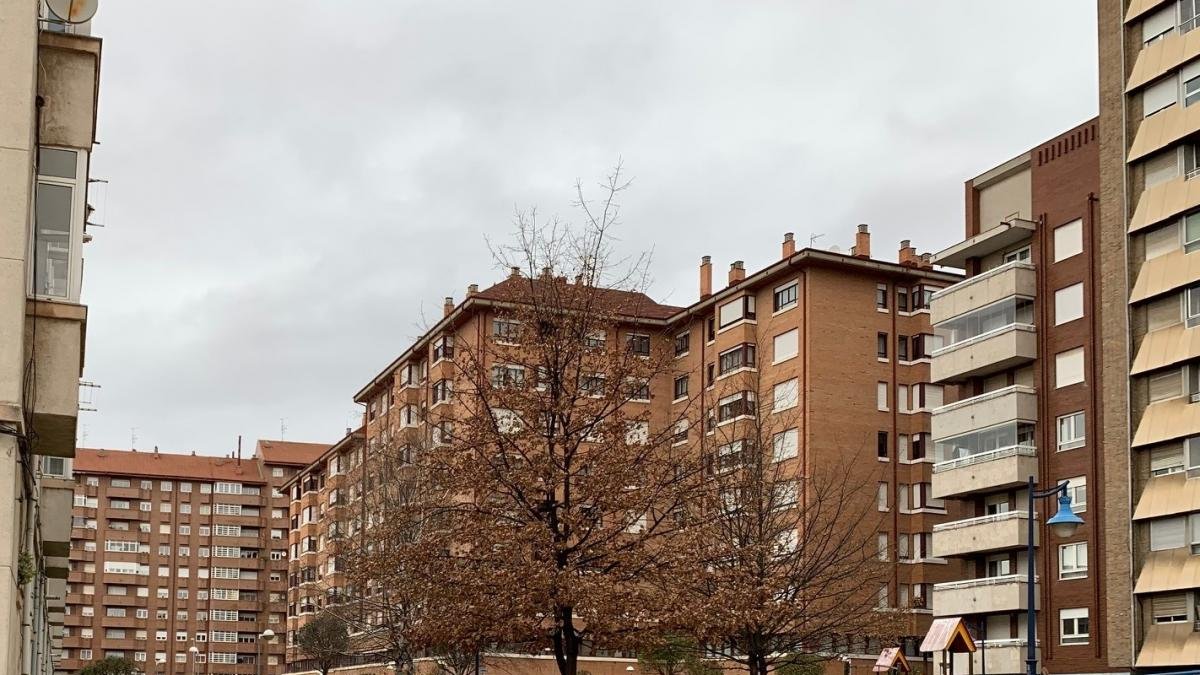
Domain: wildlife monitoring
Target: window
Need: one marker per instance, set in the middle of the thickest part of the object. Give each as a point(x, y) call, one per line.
point(1158, 24)
point(681, 387)
point(638, 344)
point(1165, 384)
point(786, 444)
point(741, 356)
point(1072, 561)
point(1068, 367)
point(785, 296)
point(786, 346)
point(682, 343)
point(58, 223)
point(1162, 94)
point(1068, 240)
point(1077, 491)
point(1170, 608)
point(1068, 304)
point(998, 565)
point(732, 312)
point(442, 390)
point(443, 348)
point(1071, 431)
point(1074, 626)
point(881, 296)
point(1166, 460)
point(881, 444)
point(881, 345)
point(786, 394)
point(506, 331)
point(637, 433)
point(729, 456)
point(737, 405)
point(1165, 311)
point(1168, 533)
point(1022, 254)
point(881, 396)
point(881, 497)
point(1192, 307)
point(902, 300)
point(882, 545)
point(902, 347)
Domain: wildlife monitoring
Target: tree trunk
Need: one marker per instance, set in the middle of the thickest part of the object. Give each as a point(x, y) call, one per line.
point(566, 642)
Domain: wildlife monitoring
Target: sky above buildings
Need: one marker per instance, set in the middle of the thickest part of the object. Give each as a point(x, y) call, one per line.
point(294, 187)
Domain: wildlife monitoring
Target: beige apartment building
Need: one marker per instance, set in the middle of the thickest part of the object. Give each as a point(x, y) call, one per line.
point(49, 77)
point(1149, 60)
point(842, 342)
point(178, 563)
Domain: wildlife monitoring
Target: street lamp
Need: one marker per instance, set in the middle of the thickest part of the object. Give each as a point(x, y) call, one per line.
point(193, 650)
point(264, 638)
point(1063, 524)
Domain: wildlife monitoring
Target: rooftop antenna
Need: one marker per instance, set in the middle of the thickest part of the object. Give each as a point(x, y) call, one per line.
point(86, 393)
point(812, 238)
point(83, 435)
point(282, 427)
point(133, 438)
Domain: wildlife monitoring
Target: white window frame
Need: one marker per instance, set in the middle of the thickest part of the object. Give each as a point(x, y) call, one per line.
point(1073, 636)
point(1074, 424)
point(1069, 566)
point(78, 186)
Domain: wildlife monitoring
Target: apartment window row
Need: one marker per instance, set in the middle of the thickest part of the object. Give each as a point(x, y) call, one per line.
point(1181, 15)
point(1181, 87)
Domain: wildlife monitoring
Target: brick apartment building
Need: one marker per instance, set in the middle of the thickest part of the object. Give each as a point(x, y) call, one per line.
point(842, 340)
point(171, 553)
point(1020, 335)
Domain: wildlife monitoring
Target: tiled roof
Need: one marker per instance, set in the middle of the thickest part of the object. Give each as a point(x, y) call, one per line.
point(290, 452)
point(627, 303)
point(165, 465)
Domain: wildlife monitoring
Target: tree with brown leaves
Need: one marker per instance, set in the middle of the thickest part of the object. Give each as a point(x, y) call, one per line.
point(783, 559)
point(566, 487)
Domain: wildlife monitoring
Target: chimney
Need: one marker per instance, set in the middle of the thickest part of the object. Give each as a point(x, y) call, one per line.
point(789, 244)
point(926, 261)
point(514, 271)
point(737, 272)
point(862, 242)
point(908, 254)
point(472, 289)
point(546, 273)
point(239, 450)
point(705, 277)
point(447, 305)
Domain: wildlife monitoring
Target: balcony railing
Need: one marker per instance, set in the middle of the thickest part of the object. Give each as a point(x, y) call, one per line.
point(983, 582)
point(981, 520)
point(985, 456)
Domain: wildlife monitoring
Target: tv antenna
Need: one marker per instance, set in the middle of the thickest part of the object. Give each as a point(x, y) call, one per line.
point(282, 427)
point(812, 238)
point(73, 11)
point(133, 438)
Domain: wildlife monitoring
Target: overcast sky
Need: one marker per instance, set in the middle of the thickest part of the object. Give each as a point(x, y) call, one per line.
point(294, 185)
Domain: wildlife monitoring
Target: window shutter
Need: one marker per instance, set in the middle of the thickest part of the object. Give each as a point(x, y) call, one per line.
point(1166, 457)
point(1160, 168)
point(1170, 605)
point(1165, 311)
point(1159, 95)
point(1167, 533)
point(1158, 23)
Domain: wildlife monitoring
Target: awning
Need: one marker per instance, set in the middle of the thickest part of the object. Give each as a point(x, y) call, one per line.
point(1172, 570)
point(1167, 420)
point(1165, 273)
point(1166, 645)
point(948, 634)
point(1168, 496)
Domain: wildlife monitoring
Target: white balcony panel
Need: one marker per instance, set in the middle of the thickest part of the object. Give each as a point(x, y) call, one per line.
point(982, 596)
point(1017, 402)
point(1001, 349)
point(1014, 278)
point(989, 471)
point(986, 534)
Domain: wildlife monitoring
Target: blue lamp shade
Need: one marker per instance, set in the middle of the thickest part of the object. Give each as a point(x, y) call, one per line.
point(1065, 522)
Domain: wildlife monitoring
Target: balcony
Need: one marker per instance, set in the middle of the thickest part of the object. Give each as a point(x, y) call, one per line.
point(986, 243)
point(988, 471)
point(1017, 402)
point(998, 532)
point(1000, 349)
point(982, 596)
point(1003, 657)
point(994, 285)
point(57, 495)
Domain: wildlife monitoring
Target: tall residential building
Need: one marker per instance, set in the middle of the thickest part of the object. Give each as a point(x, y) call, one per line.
point(171, 553)
point(1019, 339)
point(1149, 230)
point(49, 76)
point(840, 342)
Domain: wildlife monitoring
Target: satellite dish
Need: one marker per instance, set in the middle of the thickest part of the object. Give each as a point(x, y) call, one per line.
point(835, 249)
point(73, 11)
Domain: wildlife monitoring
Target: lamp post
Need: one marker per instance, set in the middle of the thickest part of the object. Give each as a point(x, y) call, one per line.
point(263, 638)
point(194, 651)
point(1064, 524)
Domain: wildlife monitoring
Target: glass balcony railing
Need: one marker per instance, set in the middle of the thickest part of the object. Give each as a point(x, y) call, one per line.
point(1017, 310)
point(991, 439)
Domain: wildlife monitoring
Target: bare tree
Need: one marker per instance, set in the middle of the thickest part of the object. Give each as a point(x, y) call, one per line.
point(324, 640)
point(567, 489)
point(783, 557)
